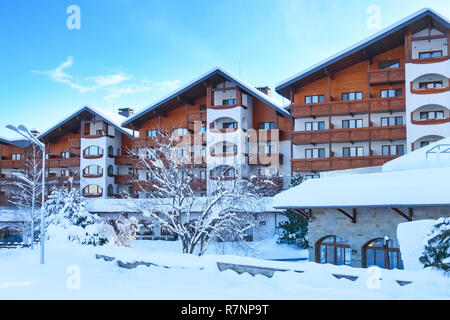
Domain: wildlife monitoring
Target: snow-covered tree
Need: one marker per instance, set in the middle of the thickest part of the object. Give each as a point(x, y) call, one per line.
point(295, 228)
point(437, 246)
point(120, 232)
point(27, 187)
point(66, 215)
point(225, 214)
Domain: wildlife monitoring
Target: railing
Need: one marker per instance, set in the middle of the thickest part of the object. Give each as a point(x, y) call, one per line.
point(354, 134)
point(386, 75)
point(124, 160)
point(62, 162)
point(12, 164)
point(341, 163)
point(124, 178)
point(373, 105)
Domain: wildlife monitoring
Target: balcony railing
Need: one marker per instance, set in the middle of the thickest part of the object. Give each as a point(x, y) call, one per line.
point(124, 178)
point(373, 105)
point(344, 135)
point(62, 162)
point(124, 160)
point(12, 164)
point(265, 159)
point(387, 75)
point(341, 163)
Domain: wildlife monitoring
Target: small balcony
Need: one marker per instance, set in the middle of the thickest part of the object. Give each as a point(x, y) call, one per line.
point(124, 160)
point(374, 105)
point(62, 162)
point(351, 135)
point(124, 178)
point(12, 164)
point(381, 76)
point(342, 163)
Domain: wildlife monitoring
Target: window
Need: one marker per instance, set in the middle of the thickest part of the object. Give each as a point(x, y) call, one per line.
point(424, 143)
point(93, 151)
point(203, 129)
point(315, 125)
point(11, 235)
point(353, 151)
point(392, 150)
point(389, 93)
point(203, 107)
point(180, 131)
point(315, 99)
point(48, 155)
point(268, 148)
point(110, 171)
point(93, 190)
point(65, 154)
point(17, 156)
point(99, 133)
point(315, 153)
point(431, 115)
point(203, 174)
point(180, 153)
point(228, 102)
point(431, 85)
point(381, 253)
point(332, 249)
point(110, 151)
point(165, 231)
point(110, 191)
point(352, 96)
point(388, 64)
point(230, 125)
point(92, 170)
point(266, 125)
point(391, 121)
point(351, 124)
point(153, 133)
point(430, 54)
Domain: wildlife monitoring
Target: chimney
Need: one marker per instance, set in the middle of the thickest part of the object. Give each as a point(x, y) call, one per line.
point(266, 90)
point(126, 112)
point(34, 132)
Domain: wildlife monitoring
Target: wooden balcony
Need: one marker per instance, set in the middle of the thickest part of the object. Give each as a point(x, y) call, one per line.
point(124, 178)
point(265, 159)
point(374, 105)
point(349, 135)
point(325, 164)
point(386, 75)
point(196, 116)
point(12, 164)
point(62, 162)
point(124, 160)
point(145, 142)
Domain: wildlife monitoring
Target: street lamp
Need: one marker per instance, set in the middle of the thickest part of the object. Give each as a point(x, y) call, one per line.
point(24, 132)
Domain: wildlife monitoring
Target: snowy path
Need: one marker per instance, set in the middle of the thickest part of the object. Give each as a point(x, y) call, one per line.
point(21, 277)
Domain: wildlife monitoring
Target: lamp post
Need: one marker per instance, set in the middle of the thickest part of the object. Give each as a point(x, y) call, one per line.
point(24, 132)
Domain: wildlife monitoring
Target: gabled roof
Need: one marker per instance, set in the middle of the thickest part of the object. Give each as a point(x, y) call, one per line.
point(21, 143)
point(110, 118)
point(198, 81)
point(376, 43)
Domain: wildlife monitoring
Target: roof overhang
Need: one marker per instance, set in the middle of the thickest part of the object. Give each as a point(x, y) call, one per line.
point(194, 90)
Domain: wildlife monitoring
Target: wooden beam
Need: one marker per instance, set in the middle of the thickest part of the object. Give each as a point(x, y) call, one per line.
point(408, 216)
point(436, 36)
point(352, 216)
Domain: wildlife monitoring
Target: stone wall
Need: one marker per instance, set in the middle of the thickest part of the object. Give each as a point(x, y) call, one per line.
point(371, 223)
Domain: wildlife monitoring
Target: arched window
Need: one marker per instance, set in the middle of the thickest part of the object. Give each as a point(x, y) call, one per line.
point(110, 171)
point(11, 235)
point(332, 249)
point(93, 152)
point(110, 190)
point(93, 171)
point(380, 252)
point(110, 152)
point(93, 191)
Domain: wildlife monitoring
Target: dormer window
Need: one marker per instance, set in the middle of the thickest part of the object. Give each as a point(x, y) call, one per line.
point(388, 64)
point(228, 102)
point(430, 54)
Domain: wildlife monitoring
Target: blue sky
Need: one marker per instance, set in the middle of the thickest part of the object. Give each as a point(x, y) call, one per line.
point(130, 53)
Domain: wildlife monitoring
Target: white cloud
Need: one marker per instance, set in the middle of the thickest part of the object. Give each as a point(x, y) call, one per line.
point(116, 84)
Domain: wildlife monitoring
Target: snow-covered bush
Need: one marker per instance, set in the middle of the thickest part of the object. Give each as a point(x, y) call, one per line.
point(67, 218)
point(120, 232)
point(437, 246)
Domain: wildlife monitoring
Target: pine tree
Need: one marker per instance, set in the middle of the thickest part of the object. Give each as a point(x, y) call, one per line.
point(295, 229)
point(437, 246)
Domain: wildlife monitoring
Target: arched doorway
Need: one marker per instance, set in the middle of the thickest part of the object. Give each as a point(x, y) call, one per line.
point(382, 253)
point(11, 235)
point(334, 250)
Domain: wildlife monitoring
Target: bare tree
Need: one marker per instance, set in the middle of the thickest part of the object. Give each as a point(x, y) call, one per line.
point(27, 186)
point(224, 214)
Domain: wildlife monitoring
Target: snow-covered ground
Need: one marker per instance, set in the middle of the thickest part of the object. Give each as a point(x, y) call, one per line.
point(191, 277)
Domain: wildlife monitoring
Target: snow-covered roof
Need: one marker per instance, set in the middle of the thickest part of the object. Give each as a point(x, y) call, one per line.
point(132, 205)
point(229, 76)
point(422, 187)
point(364, 43)
point(111, 118)
point(419, 178)
point(434, 155)
point(22, 143)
